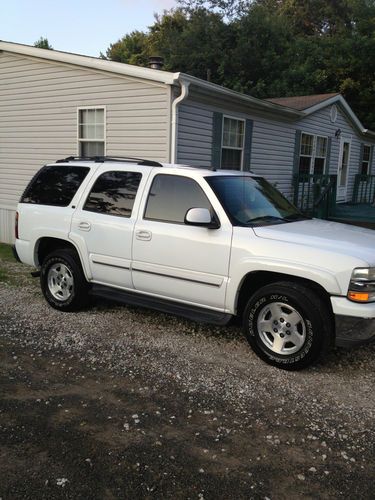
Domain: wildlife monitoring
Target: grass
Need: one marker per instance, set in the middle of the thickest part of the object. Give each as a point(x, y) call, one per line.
point(6, 252)
point(6, 255)
point(12, 272)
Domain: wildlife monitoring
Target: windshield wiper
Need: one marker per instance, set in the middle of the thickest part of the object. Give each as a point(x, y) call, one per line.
point(266, 218)
point(295, 217)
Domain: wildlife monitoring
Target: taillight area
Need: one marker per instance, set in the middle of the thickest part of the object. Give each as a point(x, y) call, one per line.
point(16, 225)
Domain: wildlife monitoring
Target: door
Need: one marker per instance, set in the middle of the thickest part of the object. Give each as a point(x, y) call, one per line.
point(103, 224)
point(343, 170)
point(174, 260)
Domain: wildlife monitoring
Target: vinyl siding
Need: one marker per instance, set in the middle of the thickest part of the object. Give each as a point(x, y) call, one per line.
point(319, 123)
point(271, 149)
point(38, 119)
point(194, 140)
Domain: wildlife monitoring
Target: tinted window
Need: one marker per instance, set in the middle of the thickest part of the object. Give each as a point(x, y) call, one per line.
point(252, 200)
point(172, 196)
point(55, 185)
point(113, 193)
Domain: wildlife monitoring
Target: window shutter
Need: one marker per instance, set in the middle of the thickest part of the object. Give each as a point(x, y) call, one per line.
point(297, 147)
point(217, 132)
point(247, 145)
point(361, 158)
point(328, 158)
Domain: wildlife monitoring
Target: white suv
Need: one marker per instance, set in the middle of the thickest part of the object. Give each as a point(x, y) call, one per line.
point(208, 245)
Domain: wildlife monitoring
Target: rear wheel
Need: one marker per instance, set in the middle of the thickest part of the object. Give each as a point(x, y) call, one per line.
point(287, 325)
point(62, 281)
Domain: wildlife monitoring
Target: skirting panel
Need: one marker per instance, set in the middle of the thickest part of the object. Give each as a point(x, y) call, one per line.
point(7, 225)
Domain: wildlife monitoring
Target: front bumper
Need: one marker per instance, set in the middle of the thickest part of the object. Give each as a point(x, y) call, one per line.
point(355, 323)
point(351, 331)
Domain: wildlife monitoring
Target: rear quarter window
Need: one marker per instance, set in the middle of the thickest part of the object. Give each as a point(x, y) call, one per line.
point(55, 185)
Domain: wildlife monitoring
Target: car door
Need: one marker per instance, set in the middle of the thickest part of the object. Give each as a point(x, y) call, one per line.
point(103, 223)
point(172, 259)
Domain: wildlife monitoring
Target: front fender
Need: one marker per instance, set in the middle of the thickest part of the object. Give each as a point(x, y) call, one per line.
point(319, 275)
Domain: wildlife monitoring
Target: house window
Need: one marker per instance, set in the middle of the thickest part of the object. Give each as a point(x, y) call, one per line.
point(91, 132)
point(313, 154)
point(366, 160)
point(232, 143)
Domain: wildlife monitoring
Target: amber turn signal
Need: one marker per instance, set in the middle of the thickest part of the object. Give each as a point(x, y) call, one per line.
point(358, 296)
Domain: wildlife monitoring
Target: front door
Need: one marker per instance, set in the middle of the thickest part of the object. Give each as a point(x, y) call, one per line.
point(343, 170)
point(174, 260)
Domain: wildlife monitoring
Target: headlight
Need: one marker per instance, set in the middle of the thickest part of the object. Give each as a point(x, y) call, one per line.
point(362, 285)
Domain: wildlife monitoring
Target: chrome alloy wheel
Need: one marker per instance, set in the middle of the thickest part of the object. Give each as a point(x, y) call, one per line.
point(60, 281)
point(281, 328)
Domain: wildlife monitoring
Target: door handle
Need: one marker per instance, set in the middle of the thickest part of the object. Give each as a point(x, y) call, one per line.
point(143, 235)
point(84, 226)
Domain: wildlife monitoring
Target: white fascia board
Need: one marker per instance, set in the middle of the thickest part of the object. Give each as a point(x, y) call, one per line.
point(339, 99)
point(92, 62)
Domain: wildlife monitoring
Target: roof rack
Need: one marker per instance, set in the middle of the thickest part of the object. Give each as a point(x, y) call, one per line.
point(102, 159)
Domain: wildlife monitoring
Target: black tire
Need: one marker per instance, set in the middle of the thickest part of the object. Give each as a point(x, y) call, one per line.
point(287, 325)
point(62, 281)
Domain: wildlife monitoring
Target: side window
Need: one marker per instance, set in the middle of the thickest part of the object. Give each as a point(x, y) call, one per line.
point(313, 154)
point(55, 185)
point(366, 160)
point(114, 193)
point(91, 132)
point(171, 196)
point(233, 143)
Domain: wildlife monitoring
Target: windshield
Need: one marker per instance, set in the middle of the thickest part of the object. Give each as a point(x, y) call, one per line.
point(252, 201)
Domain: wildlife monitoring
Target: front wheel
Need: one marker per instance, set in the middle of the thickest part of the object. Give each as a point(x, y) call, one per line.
point(62, 281)
point(287, 325)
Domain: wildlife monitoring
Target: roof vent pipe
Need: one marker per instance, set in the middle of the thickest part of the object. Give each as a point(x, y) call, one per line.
point(156, 62)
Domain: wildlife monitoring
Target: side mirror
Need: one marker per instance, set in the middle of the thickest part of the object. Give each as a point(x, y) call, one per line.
point(201, 217)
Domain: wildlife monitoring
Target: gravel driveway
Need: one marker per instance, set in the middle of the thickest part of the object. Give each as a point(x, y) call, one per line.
point(122, 402)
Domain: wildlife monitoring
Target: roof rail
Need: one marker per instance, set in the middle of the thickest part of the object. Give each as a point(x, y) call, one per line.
point(102, 159)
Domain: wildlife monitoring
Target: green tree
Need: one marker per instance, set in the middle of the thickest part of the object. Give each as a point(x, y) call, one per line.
point(43, 43)
point(195, 43)
point(267, 48)
point(130, 49)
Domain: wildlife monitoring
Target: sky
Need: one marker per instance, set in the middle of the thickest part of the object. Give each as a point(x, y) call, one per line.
point(80, 26)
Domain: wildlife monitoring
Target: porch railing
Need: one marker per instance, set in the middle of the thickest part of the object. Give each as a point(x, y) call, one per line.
point(315, 194)
point(364, 189)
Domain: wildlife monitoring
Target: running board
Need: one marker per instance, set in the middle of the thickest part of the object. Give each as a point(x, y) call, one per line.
point(194, 313)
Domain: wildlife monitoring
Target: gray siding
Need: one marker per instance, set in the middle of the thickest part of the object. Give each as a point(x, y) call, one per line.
point(273, 140)
point(319, 123)
point(38, 119)
point(194, 142)
point(271, 149)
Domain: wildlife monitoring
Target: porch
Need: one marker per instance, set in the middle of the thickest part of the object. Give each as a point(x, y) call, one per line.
point(315, 195)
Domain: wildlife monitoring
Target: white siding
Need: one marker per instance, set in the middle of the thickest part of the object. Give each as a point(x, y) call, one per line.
point(38, 119)
point(7, 225)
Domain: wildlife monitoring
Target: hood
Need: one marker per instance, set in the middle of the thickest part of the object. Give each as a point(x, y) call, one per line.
point(341, 238)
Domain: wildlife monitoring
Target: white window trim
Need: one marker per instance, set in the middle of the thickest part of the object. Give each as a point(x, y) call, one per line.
point(342, 190)
point(79, 140)
point(313, 153)
point(231, 147)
